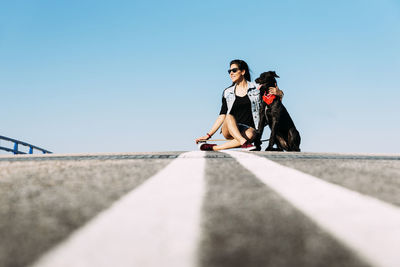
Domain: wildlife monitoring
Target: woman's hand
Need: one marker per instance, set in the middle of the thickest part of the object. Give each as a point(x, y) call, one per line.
point(203, 138)
point(275, 91)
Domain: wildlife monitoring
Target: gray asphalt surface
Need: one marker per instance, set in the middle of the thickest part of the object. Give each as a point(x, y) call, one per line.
point(247, 224)
point(43, 201)
point(244, 223)
point(376, 176)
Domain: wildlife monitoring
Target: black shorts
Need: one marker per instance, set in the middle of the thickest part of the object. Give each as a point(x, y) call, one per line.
point(243, 127)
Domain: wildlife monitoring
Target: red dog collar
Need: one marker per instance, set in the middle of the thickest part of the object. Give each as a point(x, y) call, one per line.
point(269, 98)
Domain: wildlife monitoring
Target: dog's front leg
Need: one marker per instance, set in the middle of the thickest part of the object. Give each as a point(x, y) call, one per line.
point(261, 125)
point(273, 123)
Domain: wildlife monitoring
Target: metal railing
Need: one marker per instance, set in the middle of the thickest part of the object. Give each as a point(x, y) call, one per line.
point(16, 144)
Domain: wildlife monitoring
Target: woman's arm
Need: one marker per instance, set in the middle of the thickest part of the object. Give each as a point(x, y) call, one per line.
point(214, 128)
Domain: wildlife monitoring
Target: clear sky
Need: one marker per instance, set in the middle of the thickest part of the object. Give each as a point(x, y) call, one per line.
point(132, 76)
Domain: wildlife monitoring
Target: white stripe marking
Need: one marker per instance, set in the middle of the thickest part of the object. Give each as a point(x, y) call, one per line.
point(366, 225)
point(157, 224)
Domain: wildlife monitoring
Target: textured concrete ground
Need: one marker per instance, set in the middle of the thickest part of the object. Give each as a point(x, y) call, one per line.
point(43, 199)
point(247, 224)
point(377, 177)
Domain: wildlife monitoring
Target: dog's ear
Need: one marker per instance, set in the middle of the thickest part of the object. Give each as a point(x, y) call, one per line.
point(274, 74)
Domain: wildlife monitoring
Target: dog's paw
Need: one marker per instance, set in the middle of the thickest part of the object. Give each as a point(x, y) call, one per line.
point(258, 148)
point(269, 148)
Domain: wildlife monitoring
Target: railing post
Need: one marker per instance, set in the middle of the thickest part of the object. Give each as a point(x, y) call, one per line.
point(30, 150)
point(15, 148)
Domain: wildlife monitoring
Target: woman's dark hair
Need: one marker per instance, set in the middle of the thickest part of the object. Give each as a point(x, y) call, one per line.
point(242, 65)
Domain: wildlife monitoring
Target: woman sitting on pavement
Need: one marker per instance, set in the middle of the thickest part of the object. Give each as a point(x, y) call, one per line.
point(240, 111)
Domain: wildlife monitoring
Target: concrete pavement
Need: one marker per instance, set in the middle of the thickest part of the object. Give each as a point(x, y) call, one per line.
point(243, 222)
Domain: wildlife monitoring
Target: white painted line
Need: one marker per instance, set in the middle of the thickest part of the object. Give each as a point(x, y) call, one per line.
point(368, 226)
point(158, 224)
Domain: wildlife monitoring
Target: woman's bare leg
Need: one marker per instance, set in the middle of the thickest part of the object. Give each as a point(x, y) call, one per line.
point(230, 144)
point(230, 130)
point(234, 130)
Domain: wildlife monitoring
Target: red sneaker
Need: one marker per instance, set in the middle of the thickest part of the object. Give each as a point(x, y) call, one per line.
point(206, 147)
point(248, 147)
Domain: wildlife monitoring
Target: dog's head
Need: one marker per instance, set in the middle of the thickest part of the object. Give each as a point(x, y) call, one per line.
point(267, 79)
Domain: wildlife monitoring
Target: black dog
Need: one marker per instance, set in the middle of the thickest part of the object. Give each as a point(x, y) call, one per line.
point(283, 132)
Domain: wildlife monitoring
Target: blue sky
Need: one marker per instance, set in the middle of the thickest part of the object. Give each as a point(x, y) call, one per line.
point(129, 76)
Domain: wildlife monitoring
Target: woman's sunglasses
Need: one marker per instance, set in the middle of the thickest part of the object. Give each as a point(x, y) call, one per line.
point(234, 70)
